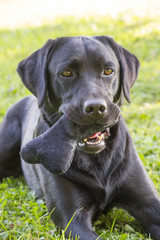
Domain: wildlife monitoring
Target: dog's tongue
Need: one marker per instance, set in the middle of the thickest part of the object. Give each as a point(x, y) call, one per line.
point(94, 135)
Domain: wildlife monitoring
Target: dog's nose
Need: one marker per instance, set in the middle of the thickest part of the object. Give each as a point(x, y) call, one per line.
point(95, 107)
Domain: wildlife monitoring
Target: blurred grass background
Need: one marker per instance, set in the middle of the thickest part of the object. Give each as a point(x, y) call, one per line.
point(22, 216)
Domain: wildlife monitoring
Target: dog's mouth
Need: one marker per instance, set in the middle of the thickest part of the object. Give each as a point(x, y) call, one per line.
point(95, 143)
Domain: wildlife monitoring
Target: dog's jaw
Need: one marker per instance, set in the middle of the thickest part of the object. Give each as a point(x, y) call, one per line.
point(94, 144)
point(97, 142)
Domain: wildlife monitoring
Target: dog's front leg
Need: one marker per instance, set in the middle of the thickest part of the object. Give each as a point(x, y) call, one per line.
point(81, 227)
point(145, 208)
point(138, 196)
point(149, 216)
point(74, 206)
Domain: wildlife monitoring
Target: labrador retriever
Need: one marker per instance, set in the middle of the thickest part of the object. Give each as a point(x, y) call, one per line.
point(75, 149)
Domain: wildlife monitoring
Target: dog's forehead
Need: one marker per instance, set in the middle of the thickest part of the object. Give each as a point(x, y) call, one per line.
point(82, 48)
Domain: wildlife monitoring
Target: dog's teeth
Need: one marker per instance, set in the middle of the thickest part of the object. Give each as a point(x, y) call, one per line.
point(81, 144)
point(100, 137)
point(93, 143)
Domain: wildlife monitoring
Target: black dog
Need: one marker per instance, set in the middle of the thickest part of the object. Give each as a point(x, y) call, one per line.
point(78, 152)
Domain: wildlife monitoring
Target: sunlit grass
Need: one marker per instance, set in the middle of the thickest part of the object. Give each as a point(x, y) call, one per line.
point(22, 216)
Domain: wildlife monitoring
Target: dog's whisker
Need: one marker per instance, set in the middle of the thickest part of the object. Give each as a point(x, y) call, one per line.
point(54, 117)
point(108, 149)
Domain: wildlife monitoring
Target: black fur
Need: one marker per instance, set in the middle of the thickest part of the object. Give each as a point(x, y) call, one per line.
point(47, 127)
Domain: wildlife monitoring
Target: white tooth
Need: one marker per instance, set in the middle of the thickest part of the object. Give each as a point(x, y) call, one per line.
point(95, 143)
point(81, 144)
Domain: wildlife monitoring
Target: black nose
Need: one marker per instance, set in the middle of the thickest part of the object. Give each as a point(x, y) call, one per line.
point(95, 107)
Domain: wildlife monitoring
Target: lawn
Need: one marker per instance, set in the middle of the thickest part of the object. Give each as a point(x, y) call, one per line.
point(22, 216)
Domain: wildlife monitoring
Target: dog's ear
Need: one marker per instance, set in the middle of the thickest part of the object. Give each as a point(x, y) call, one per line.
point(129, 65)
point(33, 70)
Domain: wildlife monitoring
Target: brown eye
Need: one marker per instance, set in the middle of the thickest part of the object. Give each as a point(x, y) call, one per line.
point(67, 73)
point(108, 71)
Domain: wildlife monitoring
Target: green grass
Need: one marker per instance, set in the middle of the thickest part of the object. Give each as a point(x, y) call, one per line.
point(22, 216)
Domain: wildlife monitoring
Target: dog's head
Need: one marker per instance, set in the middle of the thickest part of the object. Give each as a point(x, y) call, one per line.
point(83, 78)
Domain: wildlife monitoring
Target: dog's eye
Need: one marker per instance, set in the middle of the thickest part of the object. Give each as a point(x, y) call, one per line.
point(67, 73)
point(108, 71)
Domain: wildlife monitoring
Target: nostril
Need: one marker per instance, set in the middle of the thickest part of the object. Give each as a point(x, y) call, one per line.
point(102, 109)
point(89, 109)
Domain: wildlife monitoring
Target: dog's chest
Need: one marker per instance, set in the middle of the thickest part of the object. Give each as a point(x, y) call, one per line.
point(94, 175)
point(93, 164)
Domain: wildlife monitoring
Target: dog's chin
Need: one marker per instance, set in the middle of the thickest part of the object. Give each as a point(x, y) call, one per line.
point(95, 143)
